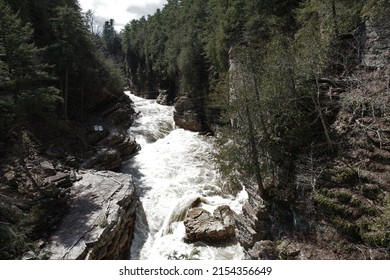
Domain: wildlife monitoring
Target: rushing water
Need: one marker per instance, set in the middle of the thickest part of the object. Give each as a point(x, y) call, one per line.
point(172, 169)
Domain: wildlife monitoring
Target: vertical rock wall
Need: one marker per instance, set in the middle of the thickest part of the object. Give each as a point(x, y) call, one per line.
point(100, 220)
point(376, 52)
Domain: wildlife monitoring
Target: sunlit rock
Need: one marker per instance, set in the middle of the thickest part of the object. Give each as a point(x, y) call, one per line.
point(100, 220)
point(186, 114)
point(201, 225)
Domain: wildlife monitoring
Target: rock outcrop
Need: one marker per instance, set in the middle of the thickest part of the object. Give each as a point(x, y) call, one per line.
point(99, 223)
point(117, 112)
point(104, 159)
point(186, 114)
point(376, 51)
point(201, 225)
point(111, 150)
point(254, 223)
point(164, 98)
point(120, 141)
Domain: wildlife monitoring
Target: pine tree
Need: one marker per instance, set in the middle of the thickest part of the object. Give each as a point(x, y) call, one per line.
point(22, 76)
point(73, 45)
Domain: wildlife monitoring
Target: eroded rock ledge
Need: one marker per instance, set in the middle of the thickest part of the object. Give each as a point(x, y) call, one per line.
point(100, 220)
point(201, 225)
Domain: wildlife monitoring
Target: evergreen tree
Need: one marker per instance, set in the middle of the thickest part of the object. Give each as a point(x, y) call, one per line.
point(72, 52)
point(23, 76)
point(112, 41)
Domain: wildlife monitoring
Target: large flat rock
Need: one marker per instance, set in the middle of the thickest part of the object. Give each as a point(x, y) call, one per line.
point(100, 221)
point(200, 225)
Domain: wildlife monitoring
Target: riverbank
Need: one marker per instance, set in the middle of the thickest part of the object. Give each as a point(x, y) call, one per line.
point(173, 172)
point(43, 162)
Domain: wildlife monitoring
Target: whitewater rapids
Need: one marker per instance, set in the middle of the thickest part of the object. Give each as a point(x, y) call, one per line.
point(172, 169)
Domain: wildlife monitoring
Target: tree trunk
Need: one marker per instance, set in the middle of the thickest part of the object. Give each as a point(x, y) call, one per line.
point(254, 152)
point(334, 16)
point(257, 91)
point(317, 105)
point(82, 102)
point(66, 92)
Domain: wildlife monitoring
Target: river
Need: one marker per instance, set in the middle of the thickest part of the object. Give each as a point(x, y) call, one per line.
point(172, 169)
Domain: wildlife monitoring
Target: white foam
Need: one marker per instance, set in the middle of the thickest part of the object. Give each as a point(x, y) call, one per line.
point(173, 168)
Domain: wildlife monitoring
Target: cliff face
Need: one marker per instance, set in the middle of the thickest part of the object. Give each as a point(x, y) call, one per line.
point(187, 115)
point(100, 220)
point(345, 213)
point(376, 51)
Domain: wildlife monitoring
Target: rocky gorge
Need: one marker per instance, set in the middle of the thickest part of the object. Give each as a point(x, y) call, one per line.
point(54, 184)
point(88, 190)
point(330, 222)
point(100, 221)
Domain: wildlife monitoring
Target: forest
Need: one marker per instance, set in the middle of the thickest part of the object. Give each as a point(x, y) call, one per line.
point(300, 112)
point(291, 96)
point(56, 79)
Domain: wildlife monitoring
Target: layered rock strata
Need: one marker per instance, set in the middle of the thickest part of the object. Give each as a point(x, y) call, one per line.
point(100, 220)
point(218, 227)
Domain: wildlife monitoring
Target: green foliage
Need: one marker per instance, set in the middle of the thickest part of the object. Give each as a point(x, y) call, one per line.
point(13, 243)
point(23, 76)
point(344, 176)
point(46, 50)
point(353, 215)
point(376, 232)
point(13, 240)
point(84, 71)
point(40, 104)
point(332, 206)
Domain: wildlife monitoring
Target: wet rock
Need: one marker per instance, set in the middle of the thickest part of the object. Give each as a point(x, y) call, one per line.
point(30, 255)
point(201, 225)
point(120, 141)
point(95, 136)
point(100, 220)
point(186, 114)
point(163, 98)
point(71, 161)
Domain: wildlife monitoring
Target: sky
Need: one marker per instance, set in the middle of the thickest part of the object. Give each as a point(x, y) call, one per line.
point(122, 11)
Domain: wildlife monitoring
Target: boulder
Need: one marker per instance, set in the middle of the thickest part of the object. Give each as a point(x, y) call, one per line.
point(201, 225)
point(100, 220)
point(186, 114)
point(9, 178)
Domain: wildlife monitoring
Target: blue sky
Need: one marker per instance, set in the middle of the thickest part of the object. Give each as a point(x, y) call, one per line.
point(122, 11)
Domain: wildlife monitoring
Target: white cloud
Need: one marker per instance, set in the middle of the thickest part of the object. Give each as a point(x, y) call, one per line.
point(122, 11)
